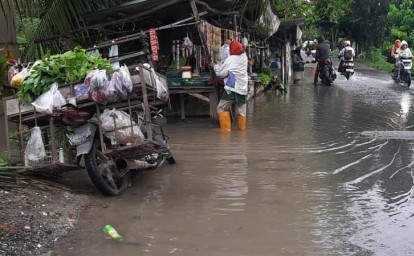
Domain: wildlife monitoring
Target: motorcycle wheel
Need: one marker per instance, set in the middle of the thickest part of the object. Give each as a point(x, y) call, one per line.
point(328, 79)
point(105, 175)
point(407, 79)
point(347, 75)
point(171, 160)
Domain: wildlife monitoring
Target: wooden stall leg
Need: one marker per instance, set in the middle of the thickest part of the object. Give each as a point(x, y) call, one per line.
point(213, 105)
point(182, 106)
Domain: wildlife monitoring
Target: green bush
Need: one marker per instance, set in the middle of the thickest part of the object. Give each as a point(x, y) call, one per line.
point(375, 58)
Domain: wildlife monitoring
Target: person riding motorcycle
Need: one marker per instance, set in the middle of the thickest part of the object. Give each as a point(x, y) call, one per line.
point(322, 57)
point(347, 53)
point(402, 52)
point(396, 46)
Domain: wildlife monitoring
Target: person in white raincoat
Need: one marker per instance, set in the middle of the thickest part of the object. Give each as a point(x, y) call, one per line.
point(234, 72)
point(402, 52)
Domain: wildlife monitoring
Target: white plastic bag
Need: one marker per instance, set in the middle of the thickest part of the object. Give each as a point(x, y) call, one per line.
point(126, 78)
point(123, 133)
point(49, 100)
point(162, 90)
point(114, 85)
point(35, 149)
point(113, 53)
point(187, 42)
point(119, 85)
point(98, 80)
point(151, 78)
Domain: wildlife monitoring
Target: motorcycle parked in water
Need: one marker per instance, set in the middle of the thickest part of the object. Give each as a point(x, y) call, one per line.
point(403, 71)
point(110, 165)
point(326, 72)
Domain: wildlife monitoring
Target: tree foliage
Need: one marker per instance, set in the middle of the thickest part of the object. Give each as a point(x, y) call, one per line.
point(290, 9)
point(328, 15)
point(401, 17)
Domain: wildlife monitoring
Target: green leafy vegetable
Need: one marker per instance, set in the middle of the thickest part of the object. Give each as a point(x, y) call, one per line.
point(70, 66)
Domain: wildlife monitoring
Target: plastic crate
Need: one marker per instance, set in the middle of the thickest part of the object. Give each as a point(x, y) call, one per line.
point(196, 82)
point(174, 81)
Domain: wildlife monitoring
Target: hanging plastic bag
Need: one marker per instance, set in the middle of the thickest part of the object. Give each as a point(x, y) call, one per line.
point(162, 90)
point(99, 95)
point(49, 100)
point(89, 76)
point(126, 78)
point(187, 42)
point(113, 53)
point(35, 149)
point(98, 80)
point(111, 119)
point(115, 84)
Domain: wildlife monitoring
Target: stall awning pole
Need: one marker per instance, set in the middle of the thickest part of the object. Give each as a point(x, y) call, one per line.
point(202, 36)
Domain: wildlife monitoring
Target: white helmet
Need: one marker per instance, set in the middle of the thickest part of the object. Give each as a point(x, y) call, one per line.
point(347, 43)
point(403, 42)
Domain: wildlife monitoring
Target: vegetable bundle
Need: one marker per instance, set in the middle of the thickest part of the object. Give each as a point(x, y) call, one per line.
point(70, 66)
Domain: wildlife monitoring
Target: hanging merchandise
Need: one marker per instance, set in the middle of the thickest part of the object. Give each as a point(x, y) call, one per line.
point(216, 43)
point(245, 41)
point(154, 44)
point(177, 52)
point(187, 47)
point(113, 53)
point(173, 49)
point(209, 29)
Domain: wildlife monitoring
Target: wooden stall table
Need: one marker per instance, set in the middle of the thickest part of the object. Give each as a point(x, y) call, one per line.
point(205, 93)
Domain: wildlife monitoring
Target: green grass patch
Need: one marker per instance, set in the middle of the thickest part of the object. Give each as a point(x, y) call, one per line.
point(375, 59)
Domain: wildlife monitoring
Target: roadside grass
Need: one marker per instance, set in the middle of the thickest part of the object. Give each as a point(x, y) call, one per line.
point(375, 59)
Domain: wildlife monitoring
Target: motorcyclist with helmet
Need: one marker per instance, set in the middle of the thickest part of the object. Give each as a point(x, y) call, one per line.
point(347, 53)
point(402, 52)
point(322, 57)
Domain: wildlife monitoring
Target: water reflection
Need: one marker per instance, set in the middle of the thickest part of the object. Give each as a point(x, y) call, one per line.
point(230, 183)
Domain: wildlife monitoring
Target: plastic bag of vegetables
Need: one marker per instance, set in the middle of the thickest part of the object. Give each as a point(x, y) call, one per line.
point(17, 80)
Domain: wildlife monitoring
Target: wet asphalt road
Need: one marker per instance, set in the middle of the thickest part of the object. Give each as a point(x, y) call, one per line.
point(299, 181)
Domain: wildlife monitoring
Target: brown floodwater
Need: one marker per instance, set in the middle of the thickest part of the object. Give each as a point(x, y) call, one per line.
point(299, 181)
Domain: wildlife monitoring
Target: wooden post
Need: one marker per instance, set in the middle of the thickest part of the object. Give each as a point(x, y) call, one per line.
point(235, 24)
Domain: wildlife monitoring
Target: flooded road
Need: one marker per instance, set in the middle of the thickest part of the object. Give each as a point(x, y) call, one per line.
point(300, 181)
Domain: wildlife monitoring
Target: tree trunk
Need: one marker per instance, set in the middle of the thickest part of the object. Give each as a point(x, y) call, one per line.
point(8, 39)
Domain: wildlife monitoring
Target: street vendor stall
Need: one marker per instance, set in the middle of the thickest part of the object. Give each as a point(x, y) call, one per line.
point(92, 108)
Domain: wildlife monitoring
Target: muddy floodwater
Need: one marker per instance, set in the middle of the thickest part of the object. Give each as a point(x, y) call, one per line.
point(300, 181)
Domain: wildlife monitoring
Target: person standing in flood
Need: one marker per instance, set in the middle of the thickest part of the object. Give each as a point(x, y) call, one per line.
point(234, 72)
point(298, 65)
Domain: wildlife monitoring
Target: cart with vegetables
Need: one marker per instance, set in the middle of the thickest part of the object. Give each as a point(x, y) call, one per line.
point(74, 111)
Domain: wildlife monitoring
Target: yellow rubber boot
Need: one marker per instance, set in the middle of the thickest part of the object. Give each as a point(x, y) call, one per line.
point(241, 123)
point(225, 122)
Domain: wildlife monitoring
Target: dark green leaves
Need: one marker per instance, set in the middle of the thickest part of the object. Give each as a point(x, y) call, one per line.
point(70, 66)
